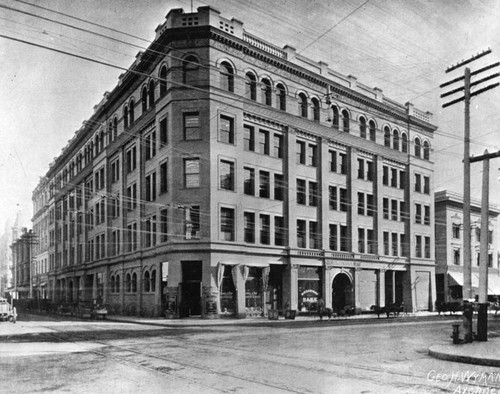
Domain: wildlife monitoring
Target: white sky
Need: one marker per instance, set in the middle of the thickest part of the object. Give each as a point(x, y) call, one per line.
point(400, 46)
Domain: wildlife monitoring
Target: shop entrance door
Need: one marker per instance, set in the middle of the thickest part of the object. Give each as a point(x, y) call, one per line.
point(342, 292)
point(191, 288)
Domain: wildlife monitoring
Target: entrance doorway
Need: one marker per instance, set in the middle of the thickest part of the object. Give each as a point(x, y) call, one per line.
point(191, 288)
point(342, 292)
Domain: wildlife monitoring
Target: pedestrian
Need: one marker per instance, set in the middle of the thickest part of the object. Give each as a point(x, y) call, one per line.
point(321, 308)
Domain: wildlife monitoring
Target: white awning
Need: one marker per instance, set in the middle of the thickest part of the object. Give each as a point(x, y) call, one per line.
point(457, 279)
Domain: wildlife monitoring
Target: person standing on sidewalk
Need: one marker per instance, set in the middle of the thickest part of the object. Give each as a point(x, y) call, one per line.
point(321, 308)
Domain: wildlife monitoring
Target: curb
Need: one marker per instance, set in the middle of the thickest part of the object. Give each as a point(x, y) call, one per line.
point(439, 354)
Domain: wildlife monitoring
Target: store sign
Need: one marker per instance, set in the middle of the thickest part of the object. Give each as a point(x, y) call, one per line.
point(345, 264)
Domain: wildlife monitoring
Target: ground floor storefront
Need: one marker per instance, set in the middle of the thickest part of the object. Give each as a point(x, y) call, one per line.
point(214, 285)
point(449, 284)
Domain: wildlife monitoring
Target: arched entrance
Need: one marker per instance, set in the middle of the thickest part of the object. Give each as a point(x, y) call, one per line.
point(342, 292)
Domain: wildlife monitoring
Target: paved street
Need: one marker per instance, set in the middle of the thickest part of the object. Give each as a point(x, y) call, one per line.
point(385, 356)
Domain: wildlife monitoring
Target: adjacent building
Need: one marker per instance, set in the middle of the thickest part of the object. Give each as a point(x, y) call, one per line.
point(450, 249)
point(224, 175)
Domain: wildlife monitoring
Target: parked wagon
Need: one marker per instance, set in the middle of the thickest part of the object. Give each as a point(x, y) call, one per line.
point(7, 311)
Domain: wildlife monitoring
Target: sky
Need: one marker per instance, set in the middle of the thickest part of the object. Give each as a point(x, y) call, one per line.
point(402, 47)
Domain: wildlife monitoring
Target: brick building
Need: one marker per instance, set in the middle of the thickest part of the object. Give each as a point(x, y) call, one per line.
point(226, 176)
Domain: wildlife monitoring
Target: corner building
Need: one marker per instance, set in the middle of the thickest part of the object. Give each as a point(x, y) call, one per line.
point(227, 176)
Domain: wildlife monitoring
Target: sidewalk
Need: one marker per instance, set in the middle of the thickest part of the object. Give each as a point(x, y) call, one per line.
point(479, 353)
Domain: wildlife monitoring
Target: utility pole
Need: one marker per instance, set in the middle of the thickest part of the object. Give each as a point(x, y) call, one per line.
point(482, 316)
point(467, 269)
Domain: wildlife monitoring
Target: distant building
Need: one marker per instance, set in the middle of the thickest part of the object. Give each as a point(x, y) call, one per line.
point(227, 176)
point(450, 250)
point(10, 233)
point(22, 267)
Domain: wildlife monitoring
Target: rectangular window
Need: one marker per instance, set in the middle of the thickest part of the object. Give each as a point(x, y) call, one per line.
point(150, 146)
point(279, 231)
point(456, 231)
point(394, 210)
point(361, 169)
point(427, 187)
point(164, 177)
point(333, 161)
point(265, 229)
point(164, 225)
point(163, 132)
point(427, 247)
point(279, 187)
point(427, 215)
point(226, 129)
point(132, 197)
point(418, 183)
point(264, 142)
point(402, 179)
point(278, 146)
point(314, 239)
point(418, 213)
point(192, 222)
point(249, 227)
point(369, 171)
point(312, 155)
point(361, 203)
point(344, 239)
point(343, 163)
point(115, 170)
point(191, 173)
point(248, 138)
point(418, 246)
point(151, 187)
point(313, 194)
point(385, 175)
point(372, 241)
point(191, 122)
point(385, 207)
point(131, 159)
point(227, 224)
point(386, 243)
point(264, 187)
point(301, 191)
point(333, 239)
point(402, 210)
point(456, 256)
point(394, 177)
point(226, 175)
point(370, 205)
point(301, 233)
point(361, 240)
point(395, 243)
point(301, 152)
point(344, 200)
point(332, 197)
point(249, 181)
point(402, 244)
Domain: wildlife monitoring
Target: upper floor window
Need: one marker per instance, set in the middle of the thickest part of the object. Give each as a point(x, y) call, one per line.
point(190, 68)
point(125, 116)
point(163, 81)
point(192, 126)
point(191, 173)
point(345, 121)
point(362, 127)
point(131, 112)
point(404, 143)
point(144, 99)
point(151, 93)
point(226, 129)
point(227, 224)
point(316, 109)
point(226, 77)
point(395, 139)
point(267, 92)
point(281, 97)
point(251, 86)
point(303, 105)
point(427, 149)
point(387, 136)
point(456, 231)
point(335, 118)
point(248, 138)
point(418, 147)
point(373, 130)
point(226, 175)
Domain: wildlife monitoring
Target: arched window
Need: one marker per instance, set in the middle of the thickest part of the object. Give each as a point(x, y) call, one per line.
point(144, 99)
point(131, 112)
point(112, 284)
point(345, 121)
point(404, 142)
point(281, 96)
point(110, 131)
point(267, 92)
point(303, 105)
point(163, 81)
point(395, 139)
point(373, 131)
point(96, 144)
point(117, 283)
point(128, 283)
point(190, 68)
point(125, 116)
point(251, 86)
point(427, 149)
point(153, 281)
point(418, 144)
point(146, 281)
point(115, 127)
point(151, 92)
point(102, 141)
point(316, 109)
point(362, 127)
point(387, 136)
point(226, 77)
point(134, 283)
point(335, 118)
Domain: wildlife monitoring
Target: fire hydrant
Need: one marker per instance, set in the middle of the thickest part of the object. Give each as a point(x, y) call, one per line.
point(456, 333)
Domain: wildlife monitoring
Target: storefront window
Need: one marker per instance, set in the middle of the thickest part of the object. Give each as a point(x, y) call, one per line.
point(253, 288)
point(309, 287)
point(228, 293)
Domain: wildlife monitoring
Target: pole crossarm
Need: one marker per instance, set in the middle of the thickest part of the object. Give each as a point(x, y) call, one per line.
point(464, 62)
point(486, 156)
point(494, 85)
point(471, 85)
